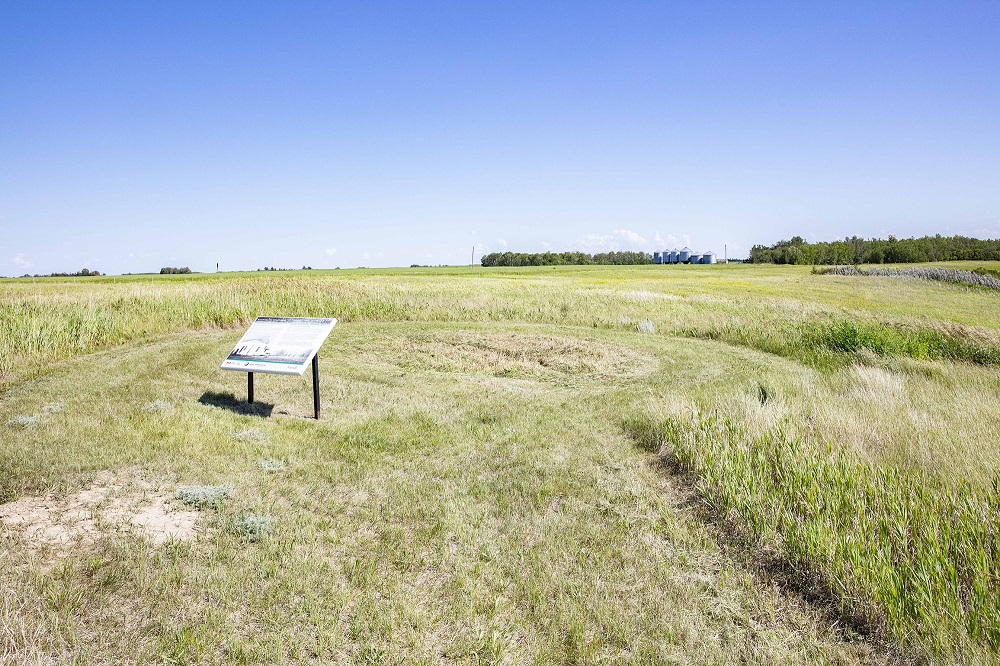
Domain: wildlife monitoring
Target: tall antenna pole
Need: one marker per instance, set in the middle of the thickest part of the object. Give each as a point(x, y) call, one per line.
point(473, 256)
point(725, 254)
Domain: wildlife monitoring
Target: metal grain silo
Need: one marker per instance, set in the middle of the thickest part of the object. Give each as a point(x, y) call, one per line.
point(695, 258)
point(708, 258)
point(672, 256)
point(684, 255)
point(656, 258)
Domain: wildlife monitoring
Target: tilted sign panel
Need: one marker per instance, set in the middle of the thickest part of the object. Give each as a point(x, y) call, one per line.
point(279, 345)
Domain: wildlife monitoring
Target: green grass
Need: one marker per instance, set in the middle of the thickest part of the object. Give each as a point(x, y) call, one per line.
point(837, 344)
point(472, 500)
point(53, 319)
point(511, 468)
point(898, 548)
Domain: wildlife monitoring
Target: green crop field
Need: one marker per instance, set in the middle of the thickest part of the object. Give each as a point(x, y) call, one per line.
point(691, 464)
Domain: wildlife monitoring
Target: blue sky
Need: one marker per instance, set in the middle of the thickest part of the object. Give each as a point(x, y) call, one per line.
point(140, 135)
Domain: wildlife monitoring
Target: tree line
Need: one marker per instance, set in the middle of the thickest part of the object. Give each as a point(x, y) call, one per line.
point(565, 259)
point(891, 250)
point(86, 272)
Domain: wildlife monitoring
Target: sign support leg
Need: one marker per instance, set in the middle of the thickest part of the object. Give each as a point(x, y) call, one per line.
point(250, 388)
point(316, 384)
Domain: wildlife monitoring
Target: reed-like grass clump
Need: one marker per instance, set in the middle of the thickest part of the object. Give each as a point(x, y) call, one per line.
point(985, 279)
point(832, 344)
point(911, 556)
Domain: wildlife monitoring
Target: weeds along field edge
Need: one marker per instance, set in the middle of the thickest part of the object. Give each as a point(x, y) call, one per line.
point(914, 560)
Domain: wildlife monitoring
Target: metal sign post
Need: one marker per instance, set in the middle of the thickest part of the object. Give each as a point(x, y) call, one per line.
point(283, 346)
point(316, 385)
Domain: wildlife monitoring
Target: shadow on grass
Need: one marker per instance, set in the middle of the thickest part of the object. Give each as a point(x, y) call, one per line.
point(229, 401)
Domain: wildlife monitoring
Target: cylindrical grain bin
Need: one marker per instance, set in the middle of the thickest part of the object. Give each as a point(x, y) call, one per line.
point(708, 258)
point(694, 258)
point(656, 258)
point(684, 255)
point(672, 256)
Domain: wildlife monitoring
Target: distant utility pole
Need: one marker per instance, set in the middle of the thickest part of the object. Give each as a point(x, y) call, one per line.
point(473, 263)
point(725, 254)
point(216, 267)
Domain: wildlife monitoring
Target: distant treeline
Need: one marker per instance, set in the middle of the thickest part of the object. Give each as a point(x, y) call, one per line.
point(892, 250)
point(566, 259)
point(169, 270)
point(274, 268)
point(86, 272)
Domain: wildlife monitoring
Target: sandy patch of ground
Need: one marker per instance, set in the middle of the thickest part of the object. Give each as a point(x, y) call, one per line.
point(110, 503)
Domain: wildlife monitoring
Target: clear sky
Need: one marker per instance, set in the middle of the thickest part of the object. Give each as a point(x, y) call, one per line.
point(138, 135)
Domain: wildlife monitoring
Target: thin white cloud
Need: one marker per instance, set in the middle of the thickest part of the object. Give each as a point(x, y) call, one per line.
point(631, 238)
point(331, 251)
point(674, 241)
point(619, 239)
point(593, 242)
point(367, 256)
point(502, 243)
point(21, 261)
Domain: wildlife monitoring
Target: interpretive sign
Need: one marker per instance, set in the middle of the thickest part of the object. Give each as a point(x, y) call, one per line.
point(279, 345)
point(282, 346)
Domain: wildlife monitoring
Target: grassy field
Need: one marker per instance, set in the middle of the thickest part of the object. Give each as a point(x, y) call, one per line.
point(575, 465)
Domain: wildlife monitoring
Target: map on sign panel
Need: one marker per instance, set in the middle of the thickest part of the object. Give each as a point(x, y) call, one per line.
point(280, 345)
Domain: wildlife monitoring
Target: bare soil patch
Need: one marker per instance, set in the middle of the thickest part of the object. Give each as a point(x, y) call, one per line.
point(110, 503)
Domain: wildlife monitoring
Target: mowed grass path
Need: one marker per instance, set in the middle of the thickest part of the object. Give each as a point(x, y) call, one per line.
point(837, 432)
point(470, 497)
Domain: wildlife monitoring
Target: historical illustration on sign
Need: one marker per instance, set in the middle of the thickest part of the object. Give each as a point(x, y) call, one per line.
point(281, 345)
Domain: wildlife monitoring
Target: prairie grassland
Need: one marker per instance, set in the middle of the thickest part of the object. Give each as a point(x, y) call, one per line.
point(55, 319)
point(506, 467)
point(470, 497)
